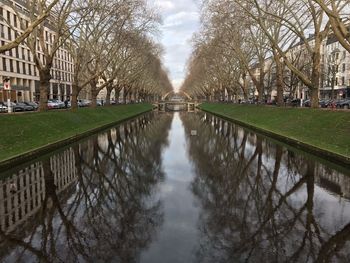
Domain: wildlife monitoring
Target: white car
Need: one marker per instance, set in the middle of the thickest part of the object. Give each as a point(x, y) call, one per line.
point(52, 104)
point(3, 108)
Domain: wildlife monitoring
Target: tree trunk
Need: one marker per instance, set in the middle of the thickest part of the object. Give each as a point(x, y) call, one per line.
point(94, 93)
point(314, 98)
point(45, 77)
point(117, 94)
point(316, 72)
point(261, 86)
point(74, 97)
point(279, 79)
point(125, 94)
point(108, 95)
point(245, 86)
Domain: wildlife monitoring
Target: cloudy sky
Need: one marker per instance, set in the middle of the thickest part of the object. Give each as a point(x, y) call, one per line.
point(180, 21)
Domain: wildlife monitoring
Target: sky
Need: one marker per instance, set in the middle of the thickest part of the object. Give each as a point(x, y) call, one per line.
point(180, 21)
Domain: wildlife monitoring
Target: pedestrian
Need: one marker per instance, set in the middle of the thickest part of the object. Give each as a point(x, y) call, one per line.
point(66, 103)
point(333, 105)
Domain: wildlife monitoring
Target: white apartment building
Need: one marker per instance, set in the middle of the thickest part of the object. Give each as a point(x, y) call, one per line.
point(18, 65)
point(335, 66)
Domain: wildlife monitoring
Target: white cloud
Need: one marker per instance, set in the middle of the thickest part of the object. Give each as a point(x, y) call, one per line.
point(180, 21)
point(180, 18)
point(165, 6)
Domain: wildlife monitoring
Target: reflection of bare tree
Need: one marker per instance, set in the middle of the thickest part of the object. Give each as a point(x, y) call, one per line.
point(111, 213)
point(259, 201)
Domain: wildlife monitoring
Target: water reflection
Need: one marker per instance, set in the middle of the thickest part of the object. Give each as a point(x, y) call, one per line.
point(175, 189)
point(93, 202)
point(262, 202)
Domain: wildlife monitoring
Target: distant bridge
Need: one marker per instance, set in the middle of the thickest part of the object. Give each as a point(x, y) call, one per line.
point(176, 106)
point(175, 93)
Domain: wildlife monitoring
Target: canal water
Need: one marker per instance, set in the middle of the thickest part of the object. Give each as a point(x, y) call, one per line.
point(175, 187)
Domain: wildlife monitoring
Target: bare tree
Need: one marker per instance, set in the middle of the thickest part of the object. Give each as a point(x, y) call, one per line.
point(306, 22)
point(338, 14)
point(63, 21)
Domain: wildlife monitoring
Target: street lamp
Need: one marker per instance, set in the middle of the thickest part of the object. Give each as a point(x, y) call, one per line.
point(333, 68)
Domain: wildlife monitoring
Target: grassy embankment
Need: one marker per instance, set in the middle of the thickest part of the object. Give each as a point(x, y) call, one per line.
point(324, 129)
point(22, 133)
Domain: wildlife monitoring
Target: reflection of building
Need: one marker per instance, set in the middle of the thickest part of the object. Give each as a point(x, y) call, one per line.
point(333, 181)
point(17, 206)
point(18, 63)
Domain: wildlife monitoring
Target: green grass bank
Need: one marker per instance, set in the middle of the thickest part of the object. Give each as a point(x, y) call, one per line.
point(22, 133)
point(323, 129)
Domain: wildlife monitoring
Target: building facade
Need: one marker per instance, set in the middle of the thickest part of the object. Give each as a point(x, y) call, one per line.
point(18, 65)
point(335, 72)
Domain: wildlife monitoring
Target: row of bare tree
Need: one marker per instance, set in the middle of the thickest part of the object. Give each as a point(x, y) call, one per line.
point(237, 38)
point(111, 40)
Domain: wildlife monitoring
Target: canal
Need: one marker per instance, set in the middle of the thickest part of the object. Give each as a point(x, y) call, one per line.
point(175, 187)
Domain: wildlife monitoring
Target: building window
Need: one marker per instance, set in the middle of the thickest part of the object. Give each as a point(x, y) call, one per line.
point(9, 33)
point(2, 33)
point(343, 67)
point(4, 68)
point(343, 81)
point(11, 65)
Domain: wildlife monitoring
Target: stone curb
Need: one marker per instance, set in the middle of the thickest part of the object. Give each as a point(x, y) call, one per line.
point(33, 154)
point(330, 156)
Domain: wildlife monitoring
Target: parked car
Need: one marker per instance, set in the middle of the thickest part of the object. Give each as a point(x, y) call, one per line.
point(344, 104)
point(307, 103)
point(15, 107)
point(25, 106)
point(60, 104)
point(52, 104)
point(325, 103)
point(84, 103)
point(33, 104)
point(295, 102)
point(271, 102)
point(249, 101)
point(3, 107)
point(100, 102)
